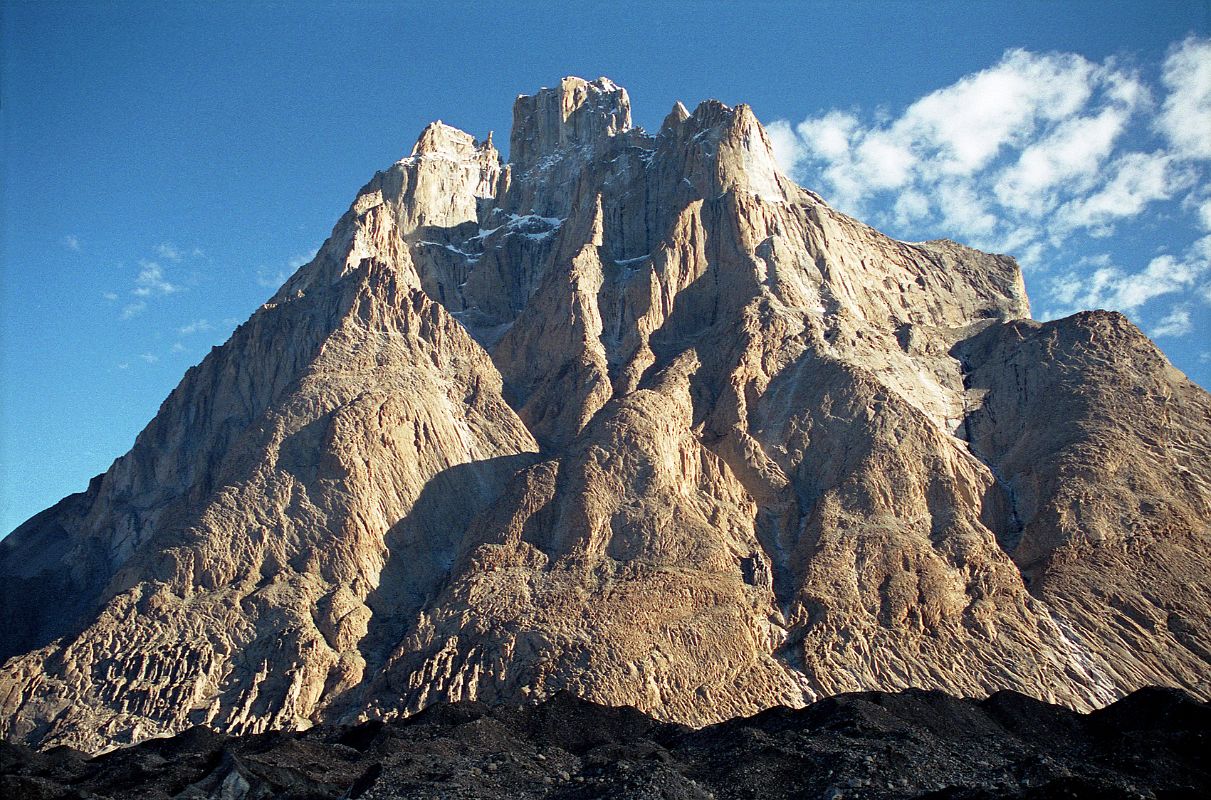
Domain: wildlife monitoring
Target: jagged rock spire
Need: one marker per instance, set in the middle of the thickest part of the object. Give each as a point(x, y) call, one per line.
point(441, 139)
point(575, 115)
point(638, 417)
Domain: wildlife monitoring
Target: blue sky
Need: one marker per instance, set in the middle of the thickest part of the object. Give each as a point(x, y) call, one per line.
point(166, 165)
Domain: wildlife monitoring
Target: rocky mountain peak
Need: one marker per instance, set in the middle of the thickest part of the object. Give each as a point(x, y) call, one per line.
point(577, 116)
point(676, 116)
point(728, 146)
point(440, 139)
point(636, 417)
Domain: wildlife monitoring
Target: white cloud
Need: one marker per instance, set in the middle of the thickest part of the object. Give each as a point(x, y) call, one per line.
point(964, 208)
point(829, 136)
point(150, 358)
point(1163, 275)
point(1070, 154)
point(123, 365)
point(178, 348)
point(197, 326)
point(1204, 213)
point(151, 280)
point(71, 242)
point(884, 160)
point(1037, 140)
point(1175, 323)
point(1043, 156)
point(962, 129)
point(1185, 117)
point(1111, 287)
point(168, 250)
point(1201, 249)
point(1030, 257)
point(911, 207)
point(964, 126)
point(1137, 180)
point(788, 150)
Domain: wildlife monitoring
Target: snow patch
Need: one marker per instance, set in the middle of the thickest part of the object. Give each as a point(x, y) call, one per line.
point(472, 257)
point(484, 233)
point(516, 220)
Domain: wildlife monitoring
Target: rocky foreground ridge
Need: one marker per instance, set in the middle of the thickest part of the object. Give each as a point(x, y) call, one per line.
point(636, 417)
point(873, 746)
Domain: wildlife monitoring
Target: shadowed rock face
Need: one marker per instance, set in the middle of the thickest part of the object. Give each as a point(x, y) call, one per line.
point(633, 417)
point(870, 745)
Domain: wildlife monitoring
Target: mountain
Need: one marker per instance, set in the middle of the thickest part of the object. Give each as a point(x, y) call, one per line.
point(636, 417)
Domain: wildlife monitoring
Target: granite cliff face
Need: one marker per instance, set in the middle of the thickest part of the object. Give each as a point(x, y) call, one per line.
point(636, 417)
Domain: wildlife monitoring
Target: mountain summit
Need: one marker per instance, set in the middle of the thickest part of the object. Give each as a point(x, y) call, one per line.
point(636, 417)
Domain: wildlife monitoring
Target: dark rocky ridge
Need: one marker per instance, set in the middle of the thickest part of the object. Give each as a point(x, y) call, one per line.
point(1151, 744)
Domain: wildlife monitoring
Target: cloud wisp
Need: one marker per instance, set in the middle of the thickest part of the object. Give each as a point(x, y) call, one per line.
point(1038, 155)
point(197, 326)
point(169, 251)
point(155, 280)
point(1175, 323)
point(151, 280)
point(1185, 116)
point(151, 283)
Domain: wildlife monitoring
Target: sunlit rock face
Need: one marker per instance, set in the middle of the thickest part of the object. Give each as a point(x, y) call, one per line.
point(633, 416)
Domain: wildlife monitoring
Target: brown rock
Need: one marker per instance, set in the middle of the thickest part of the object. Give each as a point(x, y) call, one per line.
point(634, 416)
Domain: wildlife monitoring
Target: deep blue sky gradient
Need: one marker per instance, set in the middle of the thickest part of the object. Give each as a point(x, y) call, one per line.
point(237, 133)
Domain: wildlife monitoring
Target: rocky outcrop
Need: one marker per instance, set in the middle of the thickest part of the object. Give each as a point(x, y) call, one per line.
point(632, 416)
point(871, 745)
